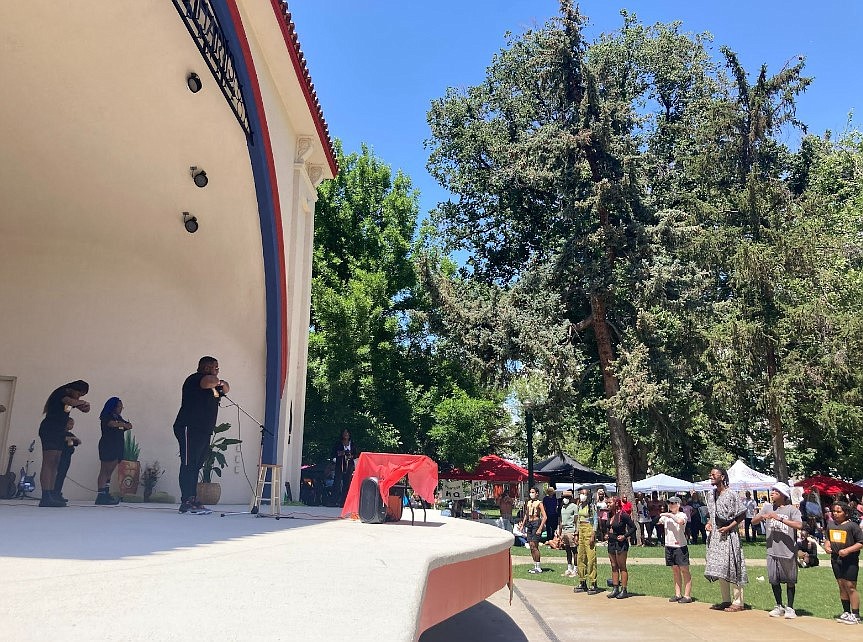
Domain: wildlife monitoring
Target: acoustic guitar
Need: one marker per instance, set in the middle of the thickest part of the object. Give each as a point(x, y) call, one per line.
point(7, 481)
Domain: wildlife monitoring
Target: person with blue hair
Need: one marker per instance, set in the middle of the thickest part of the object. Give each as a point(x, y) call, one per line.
point(110, 448)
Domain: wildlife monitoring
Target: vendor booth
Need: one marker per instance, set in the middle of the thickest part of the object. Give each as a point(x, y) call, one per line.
point(563, 468)
point(742, 477)
point(662, 483)
point(829, 486)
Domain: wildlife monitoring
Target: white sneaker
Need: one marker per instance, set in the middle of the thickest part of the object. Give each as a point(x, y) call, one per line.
point(790, 613)
point(778, 611)
point(534, 571)
point(847, 618)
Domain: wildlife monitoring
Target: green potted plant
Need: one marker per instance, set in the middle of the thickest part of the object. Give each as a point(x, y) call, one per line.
point(129, 469)
point(150, 477)
point(209, 492)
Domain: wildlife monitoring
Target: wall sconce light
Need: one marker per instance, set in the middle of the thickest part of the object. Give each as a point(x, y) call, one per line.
point(190, 223)
point(199, 176)
point(194, 82)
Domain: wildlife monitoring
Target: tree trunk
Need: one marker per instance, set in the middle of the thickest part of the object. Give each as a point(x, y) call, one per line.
point(780, 465)
point(621, 444)
point(528, 427)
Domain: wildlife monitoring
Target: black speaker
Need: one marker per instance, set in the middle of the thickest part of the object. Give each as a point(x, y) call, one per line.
point(373, 510)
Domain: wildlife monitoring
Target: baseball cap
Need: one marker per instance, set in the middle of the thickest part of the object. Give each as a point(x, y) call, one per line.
point(782, 488)
point(674, 500)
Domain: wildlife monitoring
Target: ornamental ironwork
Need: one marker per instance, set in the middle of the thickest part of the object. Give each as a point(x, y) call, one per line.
point(203, 25)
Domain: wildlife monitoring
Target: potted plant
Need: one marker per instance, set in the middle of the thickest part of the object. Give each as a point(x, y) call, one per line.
point(129, 469)
point(150, 477)
point(209, 492)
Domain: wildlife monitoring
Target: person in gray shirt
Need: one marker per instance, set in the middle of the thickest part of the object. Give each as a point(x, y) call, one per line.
point(782, 521)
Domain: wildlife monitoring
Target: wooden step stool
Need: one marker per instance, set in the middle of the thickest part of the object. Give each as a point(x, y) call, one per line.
point(275, 483)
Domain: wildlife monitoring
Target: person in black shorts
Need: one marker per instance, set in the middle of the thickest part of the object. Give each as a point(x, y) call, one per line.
point(52, 434)
point(110, 447)
point(72, 442)
point(532, 524)
point(620, 529)
point(194, 426)
point(844, 541)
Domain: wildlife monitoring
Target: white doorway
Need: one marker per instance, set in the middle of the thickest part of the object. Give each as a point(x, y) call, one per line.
point(7, 394)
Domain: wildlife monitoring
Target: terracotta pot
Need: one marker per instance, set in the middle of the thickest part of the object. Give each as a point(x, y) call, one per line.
point(209, 493)
point(128, 477)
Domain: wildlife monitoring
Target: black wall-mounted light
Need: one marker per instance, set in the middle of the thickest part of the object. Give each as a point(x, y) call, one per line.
point(190, 223)
point(194, 82)
point(199, 176)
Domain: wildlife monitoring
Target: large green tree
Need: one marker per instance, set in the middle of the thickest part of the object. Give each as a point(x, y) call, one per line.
point(551, 160)
point(373, 366)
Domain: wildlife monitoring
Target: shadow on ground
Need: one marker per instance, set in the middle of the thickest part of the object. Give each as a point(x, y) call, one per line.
point(483, 622)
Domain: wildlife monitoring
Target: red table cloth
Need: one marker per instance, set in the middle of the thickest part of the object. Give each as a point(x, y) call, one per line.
point(389, 468)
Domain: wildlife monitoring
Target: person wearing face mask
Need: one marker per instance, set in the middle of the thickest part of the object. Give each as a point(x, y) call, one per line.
point(601, 525)
point(532, 524)
point(567, 531)
point(586, 558)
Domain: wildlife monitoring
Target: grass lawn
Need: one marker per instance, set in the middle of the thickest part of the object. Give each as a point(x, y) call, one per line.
point(697, 552)
point(817, 592)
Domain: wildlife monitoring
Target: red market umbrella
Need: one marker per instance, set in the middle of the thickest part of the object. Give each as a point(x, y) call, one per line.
point(494, 469)
point(829, 486)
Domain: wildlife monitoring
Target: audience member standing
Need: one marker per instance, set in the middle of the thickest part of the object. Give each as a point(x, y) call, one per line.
point(781, 522)
point(725, 561)
point(586, 558)
point(677, 551)
point(549, 502)
point(532, 524)
point(700, 517)
point(601, 515)
point(568, 532)
point(844, 541)
point(655, 507)
point(751, 510)
point(620, 529)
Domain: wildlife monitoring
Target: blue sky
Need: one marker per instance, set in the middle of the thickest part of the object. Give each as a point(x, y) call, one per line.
point(378, 64)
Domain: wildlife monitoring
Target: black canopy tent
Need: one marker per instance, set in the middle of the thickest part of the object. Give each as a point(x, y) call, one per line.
point(563, 468)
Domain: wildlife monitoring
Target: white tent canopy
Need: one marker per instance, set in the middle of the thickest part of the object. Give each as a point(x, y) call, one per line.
point(742, 477)
point(662, 483)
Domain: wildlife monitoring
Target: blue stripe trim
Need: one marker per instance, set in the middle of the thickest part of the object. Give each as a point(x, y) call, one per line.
point(269, 242)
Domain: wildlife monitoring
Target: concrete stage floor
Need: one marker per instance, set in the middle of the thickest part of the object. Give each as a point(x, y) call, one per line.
point(145, 572)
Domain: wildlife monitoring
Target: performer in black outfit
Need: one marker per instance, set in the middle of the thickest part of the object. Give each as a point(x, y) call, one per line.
point(111, 447)
point(65, 461)
point(343, 454)
point(52, 433)
point(194, 427)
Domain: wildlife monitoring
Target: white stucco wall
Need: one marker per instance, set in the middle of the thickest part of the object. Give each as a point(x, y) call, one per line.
point(98, 278)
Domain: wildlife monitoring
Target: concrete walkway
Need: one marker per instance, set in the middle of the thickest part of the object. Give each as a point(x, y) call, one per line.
point(542, 611)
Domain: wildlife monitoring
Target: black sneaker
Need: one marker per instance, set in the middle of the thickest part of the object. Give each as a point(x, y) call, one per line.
point(676, 598)
point(105, 499)
point(594, 590)
point(50, 501)
point(614, 593)
point(581, 588)
point(685, 600)
point(198, 508)
point(186, 506)
point(623, 595)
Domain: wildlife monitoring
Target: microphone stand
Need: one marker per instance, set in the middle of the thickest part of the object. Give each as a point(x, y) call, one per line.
point(254, 509)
